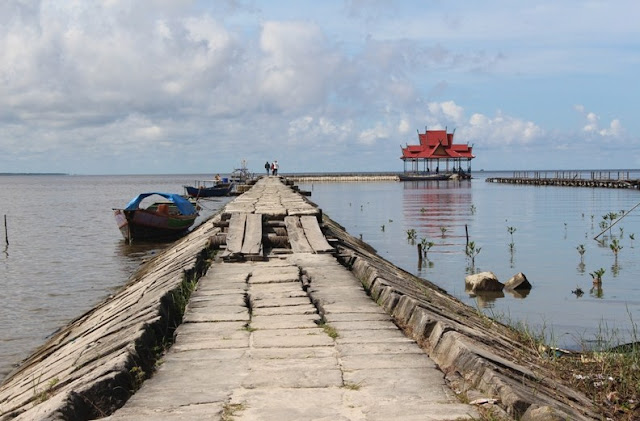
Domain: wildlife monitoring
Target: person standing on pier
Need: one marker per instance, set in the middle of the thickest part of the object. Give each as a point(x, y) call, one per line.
point(275, 167)
point(267, 167)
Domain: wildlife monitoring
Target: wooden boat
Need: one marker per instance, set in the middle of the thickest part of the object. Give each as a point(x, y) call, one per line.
point(241, 175)
point(162, 220)
point(208, 188)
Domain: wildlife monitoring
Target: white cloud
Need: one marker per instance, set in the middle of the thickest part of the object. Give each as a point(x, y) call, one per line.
point(449, 111)
point(372, 135)
point(90, 81)
point(321, 130)
point(614, 129)
point(592, 124)
point(500, 131)
point(404, 126)
point(296, 67)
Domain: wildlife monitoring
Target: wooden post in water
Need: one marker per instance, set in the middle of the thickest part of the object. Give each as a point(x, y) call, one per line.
point(6, 232)
point(466, 230)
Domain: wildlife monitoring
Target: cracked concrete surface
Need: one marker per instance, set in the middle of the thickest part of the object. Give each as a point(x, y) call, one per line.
point(254, 347)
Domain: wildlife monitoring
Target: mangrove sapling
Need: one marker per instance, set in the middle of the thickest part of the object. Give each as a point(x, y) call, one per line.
point(611, 216)
point(472, 251)
point(512, 245)
point(596, 290)
point(581, 251)
point(426, 245)
point(604, 224)
point(411, 235)
point(473, 209)
point(615, 247)
point(596, 275)
point(443, 230)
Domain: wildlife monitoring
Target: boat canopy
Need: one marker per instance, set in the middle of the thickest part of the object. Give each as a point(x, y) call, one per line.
point(184, 206)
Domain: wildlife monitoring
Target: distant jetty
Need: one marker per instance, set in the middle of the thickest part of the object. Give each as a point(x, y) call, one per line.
point(366, 176)
point(32, 173)
point(606, 179)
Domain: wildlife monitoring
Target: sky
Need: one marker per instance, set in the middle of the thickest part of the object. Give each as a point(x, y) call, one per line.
point(191, 87)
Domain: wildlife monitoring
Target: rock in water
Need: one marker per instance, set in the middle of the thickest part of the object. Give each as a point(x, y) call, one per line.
point(518, 282)
point(483, 281)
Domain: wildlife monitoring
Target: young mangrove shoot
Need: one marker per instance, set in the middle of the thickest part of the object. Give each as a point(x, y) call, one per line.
point(596, 275)
point(615, 247)
point(472, 251)
point(581, 251)
point(426, 245)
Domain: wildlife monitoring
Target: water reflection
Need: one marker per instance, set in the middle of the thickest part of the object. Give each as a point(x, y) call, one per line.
point(486, 299)
point(596, 291)
point(519, 293)
point(437, 207)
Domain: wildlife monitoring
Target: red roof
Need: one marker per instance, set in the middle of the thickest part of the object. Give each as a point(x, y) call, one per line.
point(437, 144)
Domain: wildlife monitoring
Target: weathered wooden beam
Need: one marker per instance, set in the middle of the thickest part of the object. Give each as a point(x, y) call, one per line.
point(297, 239)
point(314, 235)
point(252, 243)
point(235, 235)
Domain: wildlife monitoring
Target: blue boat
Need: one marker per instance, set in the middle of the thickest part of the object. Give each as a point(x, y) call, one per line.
point(209, 188)
point(164, 219)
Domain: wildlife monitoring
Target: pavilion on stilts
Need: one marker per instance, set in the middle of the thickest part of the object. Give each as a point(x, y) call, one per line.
point(436, 157)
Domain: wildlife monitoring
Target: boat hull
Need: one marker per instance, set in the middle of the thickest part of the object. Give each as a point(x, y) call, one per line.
point(143, 224)
point(216, 191)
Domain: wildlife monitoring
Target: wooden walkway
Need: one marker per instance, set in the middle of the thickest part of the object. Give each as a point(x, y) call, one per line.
point(275, 335)
point(266, 217)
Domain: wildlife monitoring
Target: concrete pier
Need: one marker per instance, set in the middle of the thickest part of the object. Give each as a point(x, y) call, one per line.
point(254, 346)
point(296, 327)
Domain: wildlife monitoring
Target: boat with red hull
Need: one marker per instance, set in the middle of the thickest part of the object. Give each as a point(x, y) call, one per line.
point(164, 219)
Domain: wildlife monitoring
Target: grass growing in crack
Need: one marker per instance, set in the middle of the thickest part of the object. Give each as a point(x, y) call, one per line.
point(47, 392)
point(351, 386)
point(249, 328)
point(329, 330)
point(137, 376)
point(182, 294)
point(229, 410)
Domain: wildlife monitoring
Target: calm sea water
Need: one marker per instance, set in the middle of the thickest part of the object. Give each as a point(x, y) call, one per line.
point(66, 254)
point(549, 222)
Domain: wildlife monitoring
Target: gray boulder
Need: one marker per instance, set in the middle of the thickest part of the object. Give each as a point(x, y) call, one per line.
point(483, 281)
point(518, 282)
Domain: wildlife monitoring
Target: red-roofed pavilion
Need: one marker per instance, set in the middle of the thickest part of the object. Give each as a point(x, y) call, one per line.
point(436, 154)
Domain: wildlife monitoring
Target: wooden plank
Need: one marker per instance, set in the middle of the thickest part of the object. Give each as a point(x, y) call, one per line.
point(235, 234)
point(252, 243)
point(297, 239)
point(314, 235)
